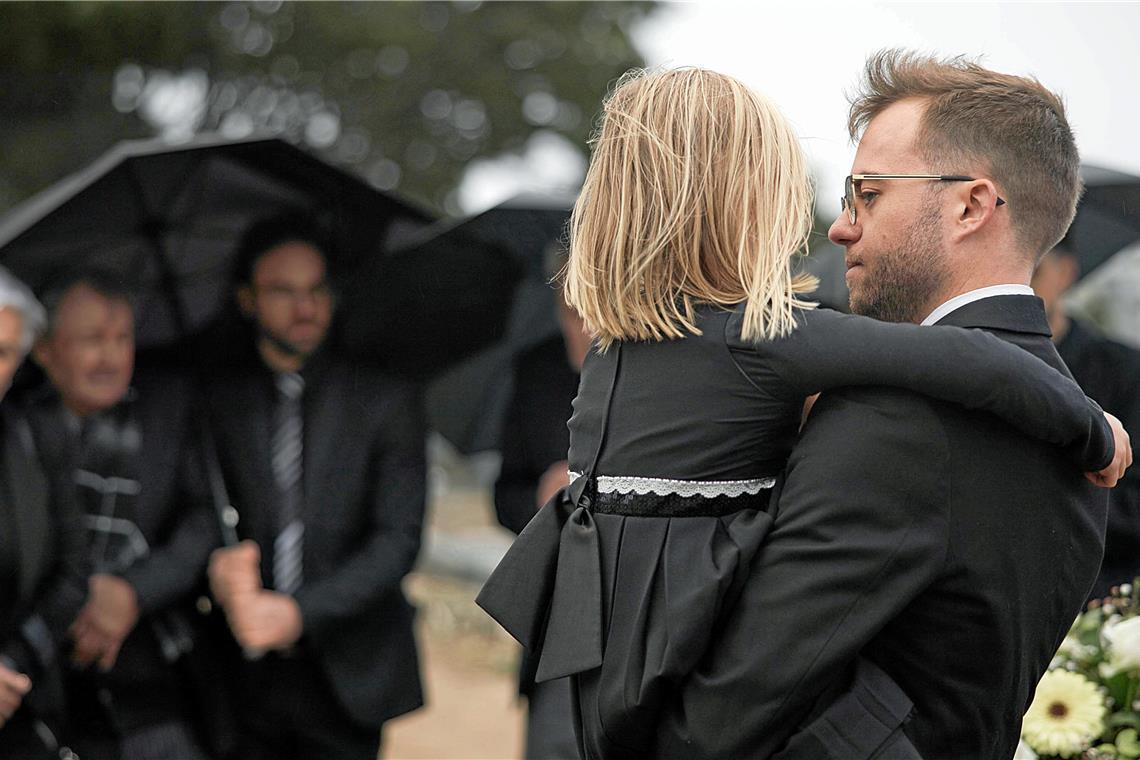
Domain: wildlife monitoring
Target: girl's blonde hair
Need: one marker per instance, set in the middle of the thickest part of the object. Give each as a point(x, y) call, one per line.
point(697, 191)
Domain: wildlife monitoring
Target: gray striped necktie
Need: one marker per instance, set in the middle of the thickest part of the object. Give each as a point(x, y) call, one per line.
point(287, 450)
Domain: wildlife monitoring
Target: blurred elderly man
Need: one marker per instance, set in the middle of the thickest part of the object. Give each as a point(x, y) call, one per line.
point(129, 450)
point(325, 462)
point(42, 576)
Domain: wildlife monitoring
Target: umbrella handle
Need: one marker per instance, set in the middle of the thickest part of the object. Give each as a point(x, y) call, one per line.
point(228, 517)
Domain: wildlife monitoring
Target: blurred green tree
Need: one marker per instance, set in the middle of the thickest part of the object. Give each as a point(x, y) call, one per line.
point(406, 94)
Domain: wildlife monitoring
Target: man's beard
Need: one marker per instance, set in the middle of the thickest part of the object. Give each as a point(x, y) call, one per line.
point(284, 345)
point(902, 281)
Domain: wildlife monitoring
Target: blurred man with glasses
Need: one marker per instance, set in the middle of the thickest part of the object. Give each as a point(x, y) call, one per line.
point(325, 463)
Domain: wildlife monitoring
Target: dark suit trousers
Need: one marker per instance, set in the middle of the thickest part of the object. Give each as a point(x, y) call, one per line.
point(289, 712)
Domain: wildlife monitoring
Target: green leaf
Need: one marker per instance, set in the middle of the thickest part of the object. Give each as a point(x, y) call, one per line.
point(1126, 743)
point(1124, 720)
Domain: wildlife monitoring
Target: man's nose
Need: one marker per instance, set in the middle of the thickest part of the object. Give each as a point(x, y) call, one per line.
point(842, 231)
point(305, 304)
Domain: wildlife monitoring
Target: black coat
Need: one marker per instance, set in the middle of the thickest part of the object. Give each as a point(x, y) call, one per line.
point(172, 509)
point(949, 549)
point(1110, 373)
point(364, 472)
point(173, 512)
point(51, 582)
point(535, 435)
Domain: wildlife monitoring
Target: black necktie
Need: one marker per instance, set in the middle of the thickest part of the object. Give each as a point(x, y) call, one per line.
point(287, 429)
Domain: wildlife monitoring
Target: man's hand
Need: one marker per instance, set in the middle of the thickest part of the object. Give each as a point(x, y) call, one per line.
point(1121, 461)
point(264, 620)
point(556, 476)
point(111, 613)
point(13, 688)
point(235, 571)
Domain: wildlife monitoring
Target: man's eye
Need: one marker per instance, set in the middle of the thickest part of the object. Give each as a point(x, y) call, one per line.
point(868, 197)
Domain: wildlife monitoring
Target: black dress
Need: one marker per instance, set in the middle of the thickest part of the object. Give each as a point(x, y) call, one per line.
point(675, 447)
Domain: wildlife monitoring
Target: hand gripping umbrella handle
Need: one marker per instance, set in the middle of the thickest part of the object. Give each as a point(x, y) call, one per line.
point(227, 514)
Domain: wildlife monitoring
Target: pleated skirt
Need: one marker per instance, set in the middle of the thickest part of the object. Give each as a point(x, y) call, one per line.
point(624, 602)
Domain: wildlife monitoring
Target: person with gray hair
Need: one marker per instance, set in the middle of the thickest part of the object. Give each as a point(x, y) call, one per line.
point(126, 440)
point(42, 572)
point(18, 298)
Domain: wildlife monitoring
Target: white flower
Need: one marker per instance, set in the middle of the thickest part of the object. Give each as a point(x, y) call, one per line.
point(1122, 638)
point(1067, 714)
point(1070, 646)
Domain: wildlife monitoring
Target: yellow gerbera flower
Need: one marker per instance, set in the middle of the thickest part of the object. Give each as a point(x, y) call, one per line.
point(1067, 714)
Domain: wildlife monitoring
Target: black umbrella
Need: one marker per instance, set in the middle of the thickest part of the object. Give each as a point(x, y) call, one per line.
point(467, 403)
point(1108, 217)
point(166, 217)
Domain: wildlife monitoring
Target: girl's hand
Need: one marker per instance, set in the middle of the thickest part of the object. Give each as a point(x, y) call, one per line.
point(1121, 461)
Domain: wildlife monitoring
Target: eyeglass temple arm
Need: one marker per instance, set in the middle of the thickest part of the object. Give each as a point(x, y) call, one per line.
point(940, 177)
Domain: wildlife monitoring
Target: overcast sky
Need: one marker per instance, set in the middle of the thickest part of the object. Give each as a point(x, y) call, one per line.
point(805, 55)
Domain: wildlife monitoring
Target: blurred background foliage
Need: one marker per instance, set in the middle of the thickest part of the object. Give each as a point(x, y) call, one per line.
point(405, 94)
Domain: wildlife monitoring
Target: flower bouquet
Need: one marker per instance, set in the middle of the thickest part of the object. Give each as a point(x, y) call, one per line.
point(1087, 705)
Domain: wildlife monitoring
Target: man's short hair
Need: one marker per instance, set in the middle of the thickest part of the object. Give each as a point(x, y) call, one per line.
point(108, 284)
point(266, 234)
point(18, 297)
point(1011, 125)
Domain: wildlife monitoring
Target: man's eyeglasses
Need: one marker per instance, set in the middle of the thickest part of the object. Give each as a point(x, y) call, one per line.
point(848, 199)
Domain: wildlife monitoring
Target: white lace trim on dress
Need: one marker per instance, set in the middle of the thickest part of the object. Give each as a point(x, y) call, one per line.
point(709, 489)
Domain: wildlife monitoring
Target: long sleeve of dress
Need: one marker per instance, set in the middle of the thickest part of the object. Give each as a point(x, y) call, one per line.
point(968, 367)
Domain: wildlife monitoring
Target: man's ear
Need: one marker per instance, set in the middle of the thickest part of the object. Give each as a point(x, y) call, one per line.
point(978, 203)
point(246, 301)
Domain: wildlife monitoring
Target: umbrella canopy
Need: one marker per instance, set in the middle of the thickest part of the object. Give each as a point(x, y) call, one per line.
point(166, 219)
point(467, 403)
point(1108, 217)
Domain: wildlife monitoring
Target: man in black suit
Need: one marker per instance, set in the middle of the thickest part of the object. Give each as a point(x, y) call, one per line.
point(536, 441)
point(126, 440)
point(948, 550)
point(325, 463)
point(1110, 373)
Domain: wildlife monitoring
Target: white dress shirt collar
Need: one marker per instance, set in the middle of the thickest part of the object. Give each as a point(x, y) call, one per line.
point(959, 301)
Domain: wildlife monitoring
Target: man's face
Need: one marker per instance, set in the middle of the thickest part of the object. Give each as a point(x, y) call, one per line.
point(1054, 275)
point(289, 298)
point(896, 264)
point(11, 352)
point(89, 354)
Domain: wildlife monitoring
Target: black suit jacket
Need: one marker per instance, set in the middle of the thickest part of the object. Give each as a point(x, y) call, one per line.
point(52, 581)
point(364, 473)
point(950, 550)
